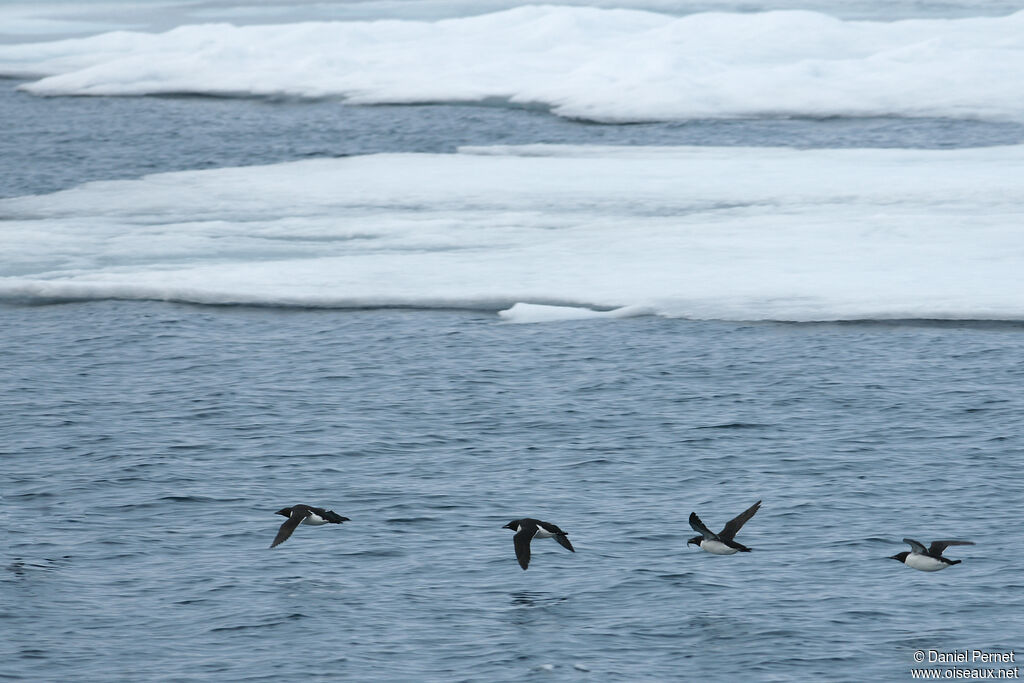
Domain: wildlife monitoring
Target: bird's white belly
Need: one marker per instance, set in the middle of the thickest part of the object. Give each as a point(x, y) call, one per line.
point(541, 533)
point(716, 547)
point(924, 563)
point(314, 520)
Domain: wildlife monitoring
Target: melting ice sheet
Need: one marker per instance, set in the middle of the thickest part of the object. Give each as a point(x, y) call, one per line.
point(580, 62)
point(725, 233)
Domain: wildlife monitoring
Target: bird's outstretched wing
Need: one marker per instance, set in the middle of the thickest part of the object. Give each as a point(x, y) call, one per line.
point(699, 527)
point(563, 541)
point(937, 547)
point(734, 524)
point(559, 535)
point(915, 546)
point(289, 526)
point(330, 515)
point(522, 542)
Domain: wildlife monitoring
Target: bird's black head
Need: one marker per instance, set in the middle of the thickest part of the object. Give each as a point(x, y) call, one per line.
point(901, 557)
point(695, 541)
point(287, 512)
point(513, 525)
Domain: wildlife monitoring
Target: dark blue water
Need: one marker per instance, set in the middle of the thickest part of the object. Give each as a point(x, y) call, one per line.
point(49, 144)
point(147, 445)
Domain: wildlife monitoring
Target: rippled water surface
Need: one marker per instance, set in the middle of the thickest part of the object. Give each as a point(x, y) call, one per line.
point(147, 446)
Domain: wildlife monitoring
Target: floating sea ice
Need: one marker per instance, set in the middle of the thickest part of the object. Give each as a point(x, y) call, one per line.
point(549, 233)
point(541, 313)
point(580, 62)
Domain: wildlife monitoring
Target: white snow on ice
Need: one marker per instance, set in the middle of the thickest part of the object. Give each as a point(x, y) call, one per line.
point(610, 65)
point(721, 233)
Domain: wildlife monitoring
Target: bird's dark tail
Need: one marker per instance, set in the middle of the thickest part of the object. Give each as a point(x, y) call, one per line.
point(563, 541)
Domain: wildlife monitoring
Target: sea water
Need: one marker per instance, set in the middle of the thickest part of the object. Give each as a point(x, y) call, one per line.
point(437, 315)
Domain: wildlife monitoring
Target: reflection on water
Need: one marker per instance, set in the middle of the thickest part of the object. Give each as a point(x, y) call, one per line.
point(535, 599)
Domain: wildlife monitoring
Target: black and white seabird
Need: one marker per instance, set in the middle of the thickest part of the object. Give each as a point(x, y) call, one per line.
point(930, 560)
point(304, 514)
point(527, 529)
point(721, 543)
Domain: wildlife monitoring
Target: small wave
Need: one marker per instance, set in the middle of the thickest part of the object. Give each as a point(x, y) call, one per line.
point(21, 567)
point(735, 425)
point(269, 624)
point(536, 599)
point(588, 463)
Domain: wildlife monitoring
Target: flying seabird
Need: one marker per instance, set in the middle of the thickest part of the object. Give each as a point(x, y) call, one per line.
point(930, 560)
point(527, 529)
point(304, 514)
point(721, 543)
